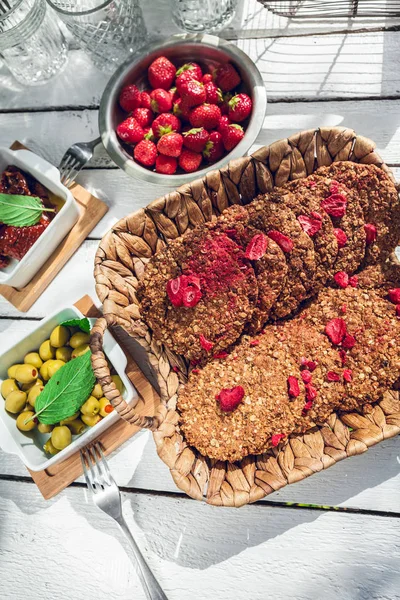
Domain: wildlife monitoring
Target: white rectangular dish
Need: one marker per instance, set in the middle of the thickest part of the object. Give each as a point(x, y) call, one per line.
point(19, 273)
point(29, 446)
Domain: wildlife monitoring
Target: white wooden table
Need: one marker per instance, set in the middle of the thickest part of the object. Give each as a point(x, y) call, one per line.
point(66, 548)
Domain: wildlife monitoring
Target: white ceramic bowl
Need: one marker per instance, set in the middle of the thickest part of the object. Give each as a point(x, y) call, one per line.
point(29, 446)
point(19, 273)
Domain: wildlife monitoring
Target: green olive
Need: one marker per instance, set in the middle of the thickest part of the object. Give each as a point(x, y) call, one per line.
point(69, 419)
point(15, 402)
point(8, 386)
point(97, 391)
point(118, 383)
point(49, 448)
point(80, 350)
point(34, 359)
point(11, 371)
point(46, 351)
point(22, 421)
point(91, 407)
point(90, 420)
point(103, 403)
point(78, 339)
point(45, 428)
point(76, 426)
point(59, 336)
point(34, 393)
point(63, 353)
point(61, 437)
point(27, 386)
point(44, 369)
point(54, 367)
point(26, 374)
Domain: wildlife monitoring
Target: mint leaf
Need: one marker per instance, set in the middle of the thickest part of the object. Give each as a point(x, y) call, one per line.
point(83, 324)
point(21, 211)
point(66, 391)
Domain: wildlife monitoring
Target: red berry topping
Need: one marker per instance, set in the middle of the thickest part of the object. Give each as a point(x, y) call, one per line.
point(311, 392)
point(232, 135)
point(166, 164)
point(276, 438)
point(214, 149)
point(174, 95)
point(185, 290)
point(223, 123)
point(148, 134)
point(145, 100)
point(129, 98)
point(306, 376)
point(371, 233)
point(284, 242)
point(332, 376)
point(143, 116)
point(309, 224)
point(192, 91)
point(192, 69)
point(394, 295)
point(353, 281)
point(239, 107)
point(311, 365)
point(336, 330)
point(334, 187)
point(145, 153)
point(181, 109)
point(205, 344)
point(341, 237)
point(257, 247)
point(230, 398)
point(161, 101)
point(227, 78)
point(190, 161)
point(207, 78)
point(398, 310)
point(165, 123)
point(130, 131)
point(161, 73)
point(213, 93)
point(348, 341)
point(196, 139)
point(307, 406)
point(335, 205)
point(293, 386)
point(342, 279)
point(206, 115)
point(347, 375)
point(342, 356)
point(170, 144)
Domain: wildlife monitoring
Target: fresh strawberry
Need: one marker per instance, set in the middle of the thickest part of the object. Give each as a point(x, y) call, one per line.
point(192, 91)
point(214, 94)
point(181, 109)
point(207, 78)
point(170, 144)
point(206, 115)
point(239, 107)
point(145, 153)
point(230, 398)
point(166, 164)
point(165, 123)
point(130, 131)
point(145, 100)
point(174, 94)
point(232, 135)
point(214, 149)
point(143, 116)
point(223, 123)
point(196, 139)
point(161, 101)
point(161, 73)
point(148, 134)
point(190, 161)
point(192, 69)
point(129, 98)
point(226, 77)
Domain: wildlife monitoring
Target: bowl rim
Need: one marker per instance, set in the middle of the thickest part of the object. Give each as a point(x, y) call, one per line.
point(108, 135)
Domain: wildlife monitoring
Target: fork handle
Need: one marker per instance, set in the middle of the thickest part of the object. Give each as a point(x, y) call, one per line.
point(150, 584)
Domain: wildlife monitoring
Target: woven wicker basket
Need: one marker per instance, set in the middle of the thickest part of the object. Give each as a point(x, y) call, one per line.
point(119, 263)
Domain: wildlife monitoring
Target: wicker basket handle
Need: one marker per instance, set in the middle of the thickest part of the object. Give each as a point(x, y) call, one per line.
point(103, 376)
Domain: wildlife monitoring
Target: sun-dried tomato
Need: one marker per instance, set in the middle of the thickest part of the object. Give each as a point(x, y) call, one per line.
point(293, 386)
point(336, 330)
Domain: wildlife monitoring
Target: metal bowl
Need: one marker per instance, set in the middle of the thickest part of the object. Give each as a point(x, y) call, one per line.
point(205, 49)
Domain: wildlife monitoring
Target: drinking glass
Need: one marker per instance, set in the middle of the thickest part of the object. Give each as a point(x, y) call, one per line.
point(108, 30)
point(203, 15)
point(31, 43)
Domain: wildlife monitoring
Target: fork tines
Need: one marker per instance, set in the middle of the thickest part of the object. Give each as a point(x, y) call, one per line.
point(95, 468)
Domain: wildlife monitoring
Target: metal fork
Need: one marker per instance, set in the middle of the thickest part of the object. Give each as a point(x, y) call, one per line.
point(107, 497)
point(75, 158)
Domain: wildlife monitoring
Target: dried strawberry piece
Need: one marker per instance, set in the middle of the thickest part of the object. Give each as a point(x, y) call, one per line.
point(175, 369)
point(293, 386)
point(184, 289)
point(306, 376)
point(334, 187)
point(371, 233)
point(191, 296)
point(307, 406)
point(332, 376)
point(343, 357)
point(398, 310)
point(276, 438)
point(191, 280)
point(335, 205)
point(222, 354)
point(342, 279)
point(353, 281)
point(254, 342)
point(340, 236)
point(204, 343)
point(310, 225)
point(257, 247)
point(348, 341)
point(394, 295)
point(311, 391)
point(230, 398)
point(336, 330)
point(175, 291)
point(344, 308)
point(311, 365)
point(311, 184)
point(284, 242)
point(316, 215)
point(347, 375)
point(196, 371)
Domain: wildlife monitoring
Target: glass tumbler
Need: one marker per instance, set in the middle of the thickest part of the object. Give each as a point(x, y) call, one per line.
point(197, 16)
point(31, 43)
point(108, 30)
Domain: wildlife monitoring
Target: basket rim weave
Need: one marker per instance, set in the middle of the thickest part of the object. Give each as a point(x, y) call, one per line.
point(119, 263)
